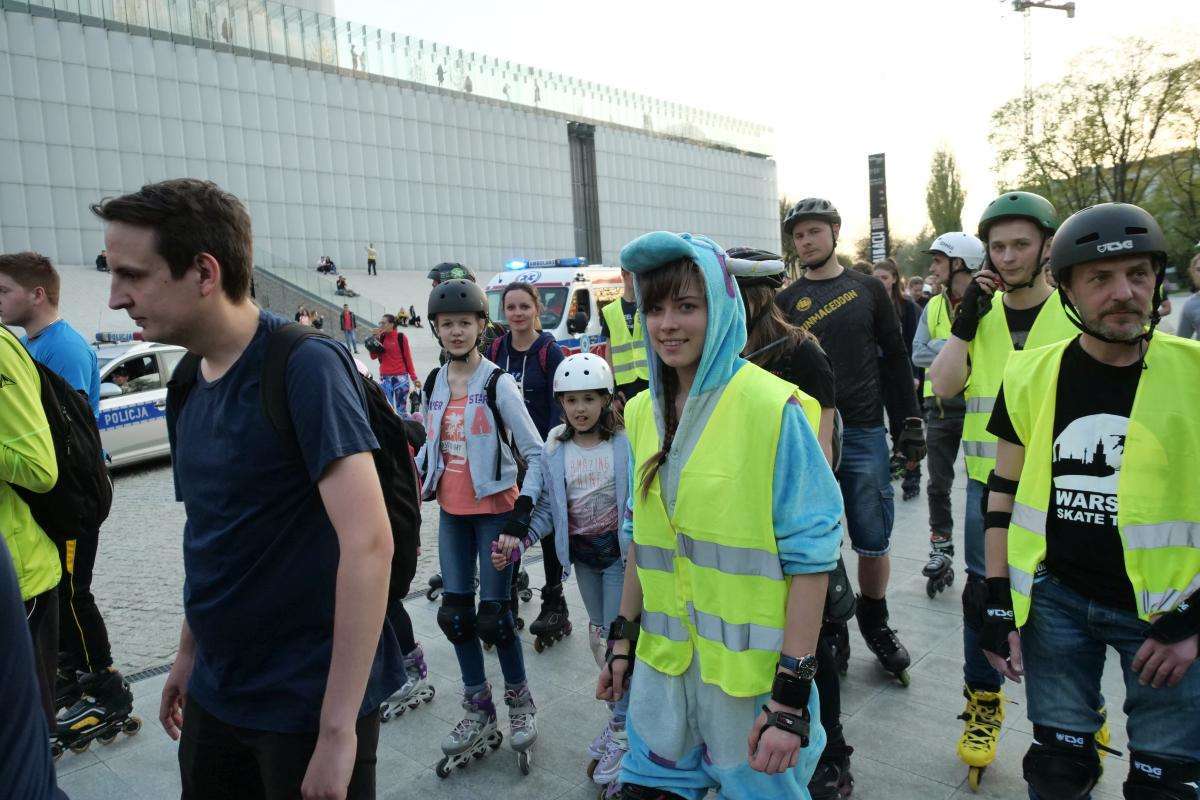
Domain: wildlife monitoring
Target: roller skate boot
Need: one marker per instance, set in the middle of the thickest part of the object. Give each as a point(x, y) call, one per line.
point(415, 691)
point(522, 723)
point(66, 689)
point(599, 746)
point(910, 487)
point(552, 623)
point(881, 640)
point(939, 570)
point(103, 710)
point(982, 717)
point(609, 768)
point(831, 779)
point(475, 736)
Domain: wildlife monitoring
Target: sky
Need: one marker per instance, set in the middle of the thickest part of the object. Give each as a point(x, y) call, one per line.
point(836, 80)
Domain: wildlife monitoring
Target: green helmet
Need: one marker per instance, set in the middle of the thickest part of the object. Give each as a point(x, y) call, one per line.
point(1027, 205)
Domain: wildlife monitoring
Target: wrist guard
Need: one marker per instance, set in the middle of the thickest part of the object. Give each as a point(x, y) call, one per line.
point(1179, 623)
point(998, 617)
point(790, 690)
point(975, 304)
point(795, 724)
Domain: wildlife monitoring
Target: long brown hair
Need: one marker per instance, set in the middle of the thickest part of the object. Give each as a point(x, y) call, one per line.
point(768, 325)
point(889, 265)
point(670, 280)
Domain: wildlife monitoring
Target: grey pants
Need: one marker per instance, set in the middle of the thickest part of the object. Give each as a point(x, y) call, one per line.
point(942, 435)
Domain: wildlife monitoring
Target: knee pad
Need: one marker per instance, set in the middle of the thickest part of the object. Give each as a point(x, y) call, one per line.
point(974, 601)
point(1157, 778)
point(1061, 764)
point(631, 791)
point(456, 617)
point(496, 624)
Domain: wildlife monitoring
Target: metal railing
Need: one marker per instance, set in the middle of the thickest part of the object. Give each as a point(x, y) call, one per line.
point(296, 35)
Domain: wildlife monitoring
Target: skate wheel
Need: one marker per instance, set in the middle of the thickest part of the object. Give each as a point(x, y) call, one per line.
point(495, 743)
point(526, 595)
point(56, 750)
point(132, 726)
point(108, 736)
point(520, 624)
point(591, 768)
point(975, 777)
point(431, 595)
point(385, 715)
point(432, 694)
point(930, 590)
point(904, 678)
point(443, 767)
point(80, 747)
point(523, 762)
point(538, 644)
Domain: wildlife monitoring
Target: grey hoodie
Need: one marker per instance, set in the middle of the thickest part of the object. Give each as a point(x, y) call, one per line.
point(482, 441)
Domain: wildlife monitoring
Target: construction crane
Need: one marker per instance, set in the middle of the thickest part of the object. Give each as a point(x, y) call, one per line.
point(1024, 6)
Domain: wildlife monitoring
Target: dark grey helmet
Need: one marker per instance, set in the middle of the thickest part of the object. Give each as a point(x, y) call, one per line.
point(1107, 230)
point(455, 297)
point(811, 208)
point(449, 270)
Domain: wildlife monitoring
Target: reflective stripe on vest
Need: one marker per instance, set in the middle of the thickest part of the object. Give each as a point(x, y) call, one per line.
point(713, 587)
point(626, 348)
point(989, 352)
point(1158, 507)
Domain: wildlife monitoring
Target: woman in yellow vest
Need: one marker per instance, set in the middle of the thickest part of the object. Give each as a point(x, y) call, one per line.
point(1093, 522)
point(735, 523)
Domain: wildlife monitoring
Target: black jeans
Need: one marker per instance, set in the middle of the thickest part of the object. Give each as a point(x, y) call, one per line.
point(41, 612)
point(82, 635)
point(829, 689)
point(371, 266)
point(218, 761)
point(942, 435)
point(553, 566)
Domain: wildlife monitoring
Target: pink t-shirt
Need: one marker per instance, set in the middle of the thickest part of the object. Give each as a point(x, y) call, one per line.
point(456, 490)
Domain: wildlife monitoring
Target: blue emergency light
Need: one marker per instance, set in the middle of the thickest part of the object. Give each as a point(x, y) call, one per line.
point(522, 263)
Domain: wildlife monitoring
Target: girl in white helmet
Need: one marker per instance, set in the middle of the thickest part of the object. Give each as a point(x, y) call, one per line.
point(584, 494)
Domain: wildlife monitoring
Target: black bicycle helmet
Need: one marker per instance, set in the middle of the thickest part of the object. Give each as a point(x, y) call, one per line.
point(753, 267)
point(1107, 230)
point(450, 270)
point(810, 208)
point(457, 296)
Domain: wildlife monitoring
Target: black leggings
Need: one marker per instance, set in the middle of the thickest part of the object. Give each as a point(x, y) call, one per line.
point(397, 614)
point(83, 637)
point(829, 689)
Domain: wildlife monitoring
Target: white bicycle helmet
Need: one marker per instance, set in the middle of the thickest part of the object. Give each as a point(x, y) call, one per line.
point(957, 244)
point(581, 372)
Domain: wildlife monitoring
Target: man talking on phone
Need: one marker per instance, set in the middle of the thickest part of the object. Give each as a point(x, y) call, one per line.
point(1007, 307)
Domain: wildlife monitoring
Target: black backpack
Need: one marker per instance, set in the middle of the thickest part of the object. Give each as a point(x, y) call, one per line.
point(81, 499)
point(393, 460)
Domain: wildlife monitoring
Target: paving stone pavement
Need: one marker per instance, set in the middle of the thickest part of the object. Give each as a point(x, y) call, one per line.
point(904, 738)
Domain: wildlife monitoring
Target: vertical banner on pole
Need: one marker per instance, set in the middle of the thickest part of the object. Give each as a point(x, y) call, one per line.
point(877, 176)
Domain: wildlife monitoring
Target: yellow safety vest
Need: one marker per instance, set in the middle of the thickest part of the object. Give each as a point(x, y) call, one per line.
point(989, 352)
point(939, 318)
point(1158, 506)
point(626, 348)
point(712, 582)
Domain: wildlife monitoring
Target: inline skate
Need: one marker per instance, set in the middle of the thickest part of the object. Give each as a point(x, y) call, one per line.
point(608, 770)
point(831, 779)
point(415, 691)
point(474, 737)
point(522, 724)
point(552, 624)
point(882, 640)
point(66, 689)
point(939, 570)
point(983, 717)
point(104, 709)
point(599, 745)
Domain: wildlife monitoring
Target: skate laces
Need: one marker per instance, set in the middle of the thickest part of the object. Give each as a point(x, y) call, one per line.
point(520, 709)
point(883, 638)
point(983, 716)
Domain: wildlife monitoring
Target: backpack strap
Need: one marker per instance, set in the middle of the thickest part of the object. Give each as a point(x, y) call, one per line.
point(178, 388)
point(494, 349)
point(427, 387)
point(273, 381)
point(489, 390)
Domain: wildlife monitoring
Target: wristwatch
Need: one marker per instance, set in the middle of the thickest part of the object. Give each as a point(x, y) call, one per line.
point(805, 668)
point(622, 628)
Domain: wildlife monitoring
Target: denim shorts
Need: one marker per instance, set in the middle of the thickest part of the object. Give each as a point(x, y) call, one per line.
point(865, 475)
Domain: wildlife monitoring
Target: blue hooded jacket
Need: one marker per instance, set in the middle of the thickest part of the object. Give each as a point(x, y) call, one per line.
point(807, 504)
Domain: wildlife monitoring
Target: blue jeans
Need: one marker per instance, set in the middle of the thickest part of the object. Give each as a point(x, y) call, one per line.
point(865, 475)
point(977, 672)
point(464, 542)
point(351, 342)
point(395, 389)
point(601, 591)
point(1064, 642)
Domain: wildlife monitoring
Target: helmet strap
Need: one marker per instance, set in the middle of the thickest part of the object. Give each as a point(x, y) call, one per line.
point(1156, 301)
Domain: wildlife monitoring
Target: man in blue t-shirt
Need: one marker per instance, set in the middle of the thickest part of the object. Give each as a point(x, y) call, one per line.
point(284, 655)
point(89, 684)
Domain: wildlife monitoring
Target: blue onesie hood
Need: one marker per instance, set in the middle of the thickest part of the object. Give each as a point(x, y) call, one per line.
point(724, 334)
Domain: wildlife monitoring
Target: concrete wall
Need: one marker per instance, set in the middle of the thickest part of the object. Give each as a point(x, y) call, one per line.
point(328, 162)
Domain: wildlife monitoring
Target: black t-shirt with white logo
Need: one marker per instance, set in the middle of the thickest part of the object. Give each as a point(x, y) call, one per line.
point(1091, 417)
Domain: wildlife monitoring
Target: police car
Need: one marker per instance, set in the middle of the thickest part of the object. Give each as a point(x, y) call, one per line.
point(133, 398)
point(572, 293)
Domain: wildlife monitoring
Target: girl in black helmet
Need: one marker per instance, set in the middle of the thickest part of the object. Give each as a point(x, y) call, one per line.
point(478, 427)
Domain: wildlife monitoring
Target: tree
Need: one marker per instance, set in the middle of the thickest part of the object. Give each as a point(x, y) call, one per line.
point(1097, 134)
point(944, 196)
point(790, 259)
point(1180, 188)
